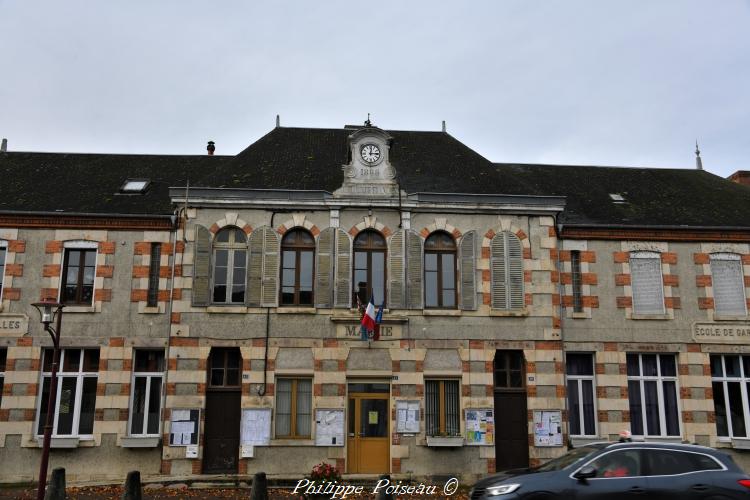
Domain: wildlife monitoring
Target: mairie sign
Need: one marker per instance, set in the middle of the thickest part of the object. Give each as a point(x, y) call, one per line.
point(352, 331)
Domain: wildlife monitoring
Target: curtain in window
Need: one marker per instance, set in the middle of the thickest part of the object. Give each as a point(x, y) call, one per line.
point(284, 407)
point(304, 403)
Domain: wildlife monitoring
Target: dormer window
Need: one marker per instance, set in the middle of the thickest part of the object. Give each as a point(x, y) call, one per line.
point(617, 197)
point(135, 186)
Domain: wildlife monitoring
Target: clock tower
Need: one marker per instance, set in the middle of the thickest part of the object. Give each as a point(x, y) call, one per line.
point(369, 173)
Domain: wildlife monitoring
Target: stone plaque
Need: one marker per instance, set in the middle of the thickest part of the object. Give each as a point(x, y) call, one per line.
point(721, 333)
point(352, 331)
point(13, 325)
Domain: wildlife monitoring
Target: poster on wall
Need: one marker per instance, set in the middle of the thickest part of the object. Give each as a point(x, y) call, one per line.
point(184, 425)
point(548, 428)
point(329, 427)
point(480, 427)
point(407, 417)
point(255, 428)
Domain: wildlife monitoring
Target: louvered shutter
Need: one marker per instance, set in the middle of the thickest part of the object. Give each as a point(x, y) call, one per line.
point(255, 268)
point(396, 288)
point(414, 266)
point(498, 268)
point(467, 265)
point(515, 271)
point(728, 284)
point(324, 268)
point(201, 267)
point(343, 271)
point(646, 283)
point(270, 284)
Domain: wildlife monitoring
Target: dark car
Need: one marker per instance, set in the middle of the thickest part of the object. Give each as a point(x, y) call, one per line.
point(618, 471)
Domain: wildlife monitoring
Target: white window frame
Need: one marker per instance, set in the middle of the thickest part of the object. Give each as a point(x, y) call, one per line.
point(659, 379)
point(743, 380)
point(231, 249)
point(80, 376)
point(78, 245)
point(3, 246)
point(728, 257)
point(646, 255)
point(579, 382)
point(150, 376)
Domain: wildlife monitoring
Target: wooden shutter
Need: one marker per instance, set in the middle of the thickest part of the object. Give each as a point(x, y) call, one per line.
point(498, 272)
point(414, 266)
point(324, 268)
point(728, 284)
point(396, 288)
point(270, 284)
point(255, 268)
point(467, 266)
point(201, 293)
point(343, 271)
point(646, 283)
point(515, 270)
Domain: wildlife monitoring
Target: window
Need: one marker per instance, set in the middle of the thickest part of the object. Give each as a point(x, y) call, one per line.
point(298, 255)
point(728, 284)
point(509, 370)
point(3, 360)
point(78, 276)
point(225, 368)
point(620, 463)
point(652, 391)
point(3, 251)
point(153, 275)
point(673, 462)
point(646, 282)
point(293, 407)
point(440, 270)
point(580, 370)
point(135, 186)
point(369, 267)
point(575, 268)
point(75, 400)
point(730, 378)
point(506, 263)
point(230, 263)
point(145, 400)
point(441, 408)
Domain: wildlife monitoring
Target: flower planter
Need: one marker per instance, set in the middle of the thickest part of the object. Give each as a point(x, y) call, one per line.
point(445, 441)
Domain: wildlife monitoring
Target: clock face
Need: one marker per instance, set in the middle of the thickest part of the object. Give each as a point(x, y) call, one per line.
point(370, 153)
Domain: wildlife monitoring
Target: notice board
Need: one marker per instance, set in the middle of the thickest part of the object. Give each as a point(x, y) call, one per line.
point(184, 425)
point(548, 428)
point(480, 426)
point(329, 427)
point(255, 427)
point(407, 417)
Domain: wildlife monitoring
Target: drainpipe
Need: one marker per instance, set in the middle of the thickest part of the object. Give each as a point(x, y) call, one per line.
point(175, 228)
point(561, 307)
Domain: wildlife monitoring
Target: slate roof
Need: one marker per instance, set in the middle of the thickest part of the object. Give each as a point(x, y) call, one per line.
point(311, 159)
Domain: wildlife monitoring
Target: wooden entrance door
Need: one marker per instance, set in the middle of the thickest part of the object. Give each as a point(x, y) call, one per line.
point(511, 418)
point(222, 426)
point(368, 441)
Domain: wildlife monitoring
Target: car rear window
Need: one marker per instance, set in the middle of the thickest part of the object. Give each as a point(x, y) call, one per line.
point(671, 462)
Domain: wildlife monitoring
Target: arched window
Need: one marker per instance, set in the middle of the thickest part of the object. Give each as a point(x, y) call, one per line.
point(440, 270)
point(369, 267)
point(230, 265)
point(298, 255)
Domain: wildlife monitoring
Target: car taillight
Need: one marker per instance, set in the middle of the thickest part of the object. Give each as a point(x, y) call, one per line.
point(745, 483)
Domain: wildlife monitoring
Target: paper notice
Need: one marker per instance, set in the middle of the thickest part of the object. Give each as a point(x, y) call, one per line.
point(180, 415)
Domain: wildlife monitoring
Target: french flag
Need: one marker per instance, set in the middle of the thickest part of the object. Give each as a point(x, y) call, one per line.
point(368, 320)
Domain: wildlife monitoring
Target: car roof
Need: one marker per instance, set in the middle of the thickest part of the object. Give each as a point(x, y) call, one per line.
point(658, 444)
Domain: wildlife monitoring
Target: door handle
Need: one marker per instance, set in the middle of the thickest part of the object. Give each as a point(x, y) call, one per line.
point(700, 487)
point(637, 490)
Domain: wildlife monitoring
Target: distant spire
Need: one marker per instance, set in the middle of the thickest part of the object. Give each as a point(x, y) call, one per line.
point(278, 121)
point(698, 161)
point(443, 125)
point(367, 122)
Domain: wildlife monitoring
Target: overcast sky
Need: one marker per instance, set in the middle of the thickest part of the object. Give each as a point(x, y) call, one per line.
point(617, 82)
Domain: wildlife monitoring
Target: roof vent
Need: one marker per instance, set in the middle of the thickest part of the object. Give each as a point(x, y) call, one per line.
point(135, 186)
point(617, 198)
point(211, 148)
point(4, 146)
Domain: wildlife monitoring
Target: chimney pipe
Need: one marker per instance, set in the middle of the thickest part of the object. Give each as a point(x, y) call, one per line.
point(278, 121)
point(210, 148)
point(443, 125)
point(4, 146)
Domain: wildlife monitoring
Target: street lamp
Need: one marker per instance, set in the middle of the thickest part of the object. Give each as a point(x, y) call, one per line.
point(49, 312)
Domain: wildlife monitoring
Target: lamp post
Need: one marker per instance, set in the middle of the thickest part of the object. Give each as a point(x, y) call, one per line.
point(49, 311)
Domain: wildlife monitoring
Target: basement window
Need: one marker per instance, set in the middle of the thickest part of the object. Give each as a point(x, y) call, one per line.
point(135, 186)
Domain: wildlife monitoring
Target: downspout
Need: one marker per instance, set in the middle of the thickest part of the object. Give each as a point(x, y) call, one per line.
point(175, 228)
point(558, 246)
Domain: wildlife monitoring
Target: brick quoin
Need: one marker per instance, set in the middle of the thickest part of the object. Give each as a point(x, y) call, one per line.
point(671, 280)
point(51, 270)
point(183, 342)
point(105, 271)
point(623, 302)
point(12, 294)
point(117, 342)
point(621, 257)
point(694, 348)
point(140, 271)
point(17, 246)
point(142, 248)
point(107, 247)
point(53, 247)
point(14, 269)
point(103, 295)
point(703, 280)
point(705, 303)
point(588, 256)
point(548, 345)
point(700, 258)
point(669, 258)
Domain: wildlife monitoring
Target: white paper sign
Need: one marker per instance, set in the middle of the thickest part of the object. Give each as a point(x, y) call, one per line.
point(329, 427)
point(246, 451)
point(407, 417)
point(191, 451)
point(183, 427)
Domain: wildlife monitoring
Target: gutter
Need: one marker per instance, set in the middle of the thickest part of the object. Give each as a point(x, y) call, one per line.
point(87, 214)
